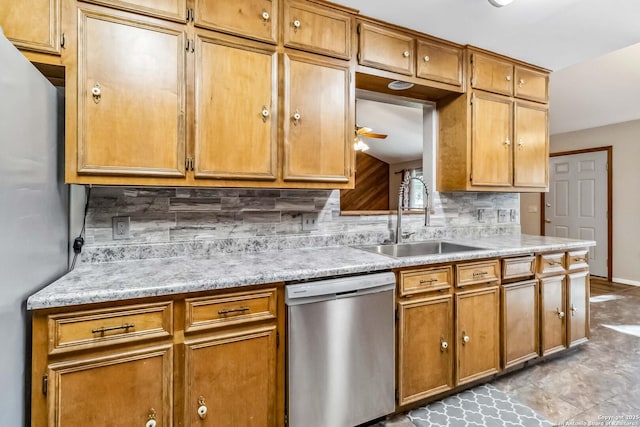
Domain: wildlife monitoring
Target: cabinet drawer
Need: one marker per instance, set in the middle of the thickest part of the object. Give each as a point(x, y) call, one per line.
point(532, 85)
point(477, 272)
point(551, 263)
point(317, 29)
point(96, 328)
point(577, 260)
point(439, 63)
point(386, 50)
point(492, 74)
point(514, 268)
point(432, 279)
point(222, 310)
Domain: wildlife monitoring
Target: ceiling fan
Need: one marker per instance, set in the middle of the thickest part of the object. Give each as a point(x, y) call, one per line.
point(359, 144)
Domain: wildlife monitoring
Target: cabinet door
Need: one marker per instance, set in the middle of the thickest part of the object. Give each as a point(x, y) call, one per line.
point(233, 375)
point(578, 311)
point(32, 24)
point(491, 151)
point(439, 62)
point(552, 316)
point(425, 351)
point(531, 84)
point(170, 9)
point(131, 97)
point(477, 334)
point(491, 74)
point(236, 121)
point(120, 390)
point(257, 19)
point(531, 152)
point(317, 29)
point(386, 50)
point(520, 335)
point(318, 120)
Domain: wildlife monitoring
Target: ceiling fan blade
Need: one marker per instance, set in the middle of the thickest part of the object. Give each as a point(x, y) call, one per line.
point(361, 130)
point(374, 135)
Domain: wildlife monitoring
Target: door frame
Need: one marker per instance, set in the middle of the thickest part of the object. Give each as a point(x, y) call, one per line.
point(609, 150)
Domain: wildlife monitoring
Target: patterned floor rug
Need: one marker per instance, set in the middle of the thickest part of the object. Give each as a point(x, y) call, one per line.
point(483, 406)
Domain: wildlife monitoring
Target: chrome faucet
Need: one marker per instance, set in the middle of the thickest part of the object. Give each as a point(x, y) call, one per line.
point(404, 186)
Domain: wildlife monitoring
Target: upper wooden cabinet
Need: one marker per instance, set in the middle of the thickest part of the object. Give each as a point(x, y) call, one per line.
point(386, 49)
point(318, 125)
point(531, 146)
point(489, 139)
point(439, 62)
point(322, 30)
point(426, 61)
point(236, 98)
point(130, 97)
point(491, 74)
point(175, 10)
point(531, 84)
point(32, 24)
point(257, 19)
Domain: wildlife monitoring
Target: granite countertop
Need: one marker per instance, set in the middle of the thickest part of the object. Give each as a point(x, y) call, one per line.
point(105, 282)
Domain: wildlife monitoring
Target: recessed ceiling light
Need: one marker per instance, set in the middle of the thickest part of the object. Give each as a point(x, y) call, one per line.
point(399, 85)
point(500, 3)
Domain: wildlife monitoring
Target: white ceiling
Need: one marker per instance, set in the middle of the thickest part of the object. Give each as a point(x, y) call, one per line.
point(555, 34)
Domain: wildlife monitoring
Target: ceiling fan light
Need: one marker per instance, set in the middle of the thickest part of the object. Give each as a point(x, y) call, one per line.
point(500, 3)
point(360, 145)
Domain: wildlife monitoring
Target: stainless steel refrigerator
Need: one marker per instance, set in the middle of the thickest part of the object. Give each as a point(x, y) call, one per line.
point(33, 215)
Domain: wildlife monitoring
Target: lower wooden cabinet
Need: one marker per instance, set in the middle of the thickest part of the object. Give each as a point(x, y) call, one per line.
point(425, 347)
point(552, 314)
point(231, 379)
point(200, 361)
point(519, 318)
point(122, 389)
point(477, 333)
point(578, 307)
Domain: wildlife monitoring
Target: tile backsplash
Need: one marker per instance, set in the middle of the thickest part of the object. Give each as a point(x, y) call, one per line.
point(232, 220)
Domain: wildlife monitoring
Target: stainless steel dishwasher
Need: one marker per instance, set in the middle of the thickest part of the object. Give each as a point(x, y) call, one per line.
point(341, 366)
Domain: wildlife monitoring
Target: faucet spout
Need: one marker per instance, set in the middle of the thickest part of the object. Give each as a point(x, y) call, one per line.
point(404, 186)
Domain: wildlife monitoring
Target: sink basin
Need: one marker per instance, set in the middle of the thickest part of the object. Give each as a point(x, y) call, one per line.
point(418, 248)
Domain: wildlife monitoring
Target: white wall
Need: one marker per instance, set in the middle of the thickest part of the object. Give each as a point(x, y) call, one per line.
point(625, 139)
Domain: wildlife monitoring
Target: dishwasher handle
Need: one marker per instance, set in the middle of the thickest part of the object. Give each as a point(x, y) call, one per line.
point(344, 287)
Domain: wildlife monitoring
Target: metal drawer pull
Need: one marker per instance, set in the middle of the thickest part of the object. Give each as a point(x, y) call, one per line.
point(554, 262)
point(423, 281)
point(233, 310)
point(477, 274)
point(103, 329)
point(579, 260)
point(560, 313)
point(202, 408)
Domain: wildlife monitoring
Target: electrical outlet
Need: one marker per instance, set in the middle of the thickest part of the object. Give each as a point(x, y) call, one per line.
point(513, 215)
point(482, 215)
point(502, 215)
point(120, 227)
point(310, 221)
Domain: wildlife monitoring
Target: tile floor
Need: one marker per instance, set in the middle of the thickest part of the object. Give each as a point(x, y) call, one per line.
point(596, 383)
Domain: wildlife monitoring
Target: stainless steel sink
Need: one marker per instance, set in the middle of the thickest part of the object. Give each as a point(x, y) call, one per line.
point(400, 250)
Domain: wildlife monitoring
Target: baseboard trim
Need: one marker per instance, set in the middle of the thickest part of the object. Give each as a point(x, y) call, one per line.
point(626, 281)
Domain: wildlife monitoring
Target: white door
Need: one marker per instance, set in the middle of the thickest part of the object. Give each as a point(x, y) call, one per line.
point(576, 204)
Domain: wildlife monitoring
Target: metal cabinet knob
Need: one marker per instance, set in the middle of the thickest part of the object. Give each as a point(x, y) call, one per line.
point(265, 15)
point(507, 141)
point(406, 54)
point(151, 421)
point(574, 310)
point(202, 408)
point(547, 221)
point(560, 313)
point(296, 24)
point(465, 339)
point(96, 92)
point(521, 82)
point(296, 118)
point(508, 78)
point(426, 58)
point(444, 345)
point(265, 113)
